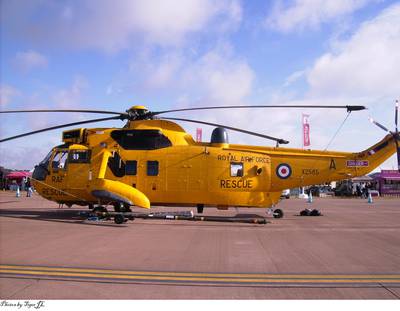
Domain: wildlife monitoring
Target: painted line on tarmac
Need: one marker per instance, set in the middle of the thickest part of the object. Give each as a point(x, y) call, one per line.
point(197, 278)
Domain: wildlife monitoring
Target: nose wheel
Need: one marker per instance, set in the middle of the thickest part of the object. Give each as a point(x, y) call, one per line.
point(276, 212)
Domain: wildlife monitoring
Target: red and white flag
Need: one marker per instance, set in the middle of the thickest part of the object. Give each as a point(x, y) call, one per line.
point(199, 134)
point(306, 131)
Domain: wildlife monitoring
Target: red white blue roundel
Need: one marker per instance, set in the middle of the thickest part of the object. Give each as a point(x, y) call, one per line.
point(283, 171)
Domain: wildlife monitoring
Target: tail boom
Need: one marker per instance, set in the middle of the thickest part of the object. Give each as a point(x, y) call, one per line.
point(312, 167)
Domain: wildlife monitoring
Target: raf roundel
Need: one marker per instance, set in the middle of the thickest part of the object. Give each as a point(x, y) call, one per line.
point(283, 171)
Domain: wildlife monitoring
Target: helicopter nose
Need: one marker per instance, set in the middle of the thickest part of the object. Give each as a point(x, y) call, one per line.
point(40, 172)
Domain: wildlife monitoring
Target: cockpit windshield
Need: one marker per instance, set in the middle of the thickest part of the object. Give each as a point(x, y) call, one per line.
point(60, 159)
point(46, 160)
point(42, 170)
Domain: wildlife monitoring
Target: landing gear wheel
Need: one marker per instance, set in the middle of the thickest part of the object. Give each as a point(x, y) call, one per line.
point(100, 211)
point(278, 213)
point(119, 219)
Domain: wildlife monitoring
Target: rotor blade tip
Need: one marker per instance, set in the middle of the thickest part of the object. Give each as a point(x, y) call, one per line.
point(355, 108)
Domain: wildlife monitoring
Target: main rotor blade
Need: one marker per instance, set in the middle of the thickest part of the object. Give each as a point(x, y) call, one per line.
point(61, 110)
point(58, 127)
point(349, 108)
point(279, 140)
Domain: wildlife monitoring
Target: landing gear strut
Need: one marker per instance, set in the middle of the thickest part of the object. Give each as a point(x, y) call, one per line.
point(122, 208)
point(200, 208)
point(99, 209)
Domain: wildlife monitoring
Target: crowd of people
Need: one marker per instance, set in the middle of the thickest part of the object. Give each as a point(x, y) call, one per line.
point(26, 185)
point(362, 190)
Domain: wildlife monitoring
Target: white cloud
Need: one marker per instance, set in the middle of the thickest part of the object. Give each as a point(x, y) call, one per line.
point(113, 25)
point(216, 77)
point(7, 92)
point(222, 78)
point(15, 157)
point(364, 65)
point(295, 76)
point(70, 97)
point(65, 98)
point(310, 14)
point(26, 61)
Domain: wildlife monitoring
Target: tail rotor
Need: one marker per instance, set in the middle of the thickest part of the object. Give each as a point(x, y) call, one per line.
point(395, 134)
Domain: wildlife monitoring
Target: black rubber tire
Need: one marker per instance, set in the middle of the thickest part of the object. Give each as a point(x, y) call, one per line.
point(119, 219)
point(278, 213)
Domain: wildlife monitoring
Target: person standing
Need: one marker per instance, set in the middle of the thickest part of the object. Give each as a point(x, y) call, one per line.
point(28, 187)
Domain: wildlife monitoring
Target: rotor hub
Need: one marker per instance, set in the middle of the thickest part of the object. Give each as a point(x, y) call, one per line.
point(139, 113)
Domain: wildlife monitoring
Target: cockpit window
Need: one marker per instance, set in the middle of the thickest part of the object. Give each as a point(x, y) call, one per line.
point(46, 160)
point(60, 160)
point(79, 156)
point(42, 170)
point(141, 139)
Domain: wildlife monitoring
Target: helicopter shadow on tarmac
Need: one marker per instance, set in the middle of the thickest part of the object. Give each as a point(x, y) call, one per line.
point(73, 217)
point(59, 216)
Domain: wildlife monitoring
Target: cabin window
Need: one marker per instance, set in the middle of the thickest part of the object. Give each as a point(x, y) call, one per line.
point(60, 160)
point(131, 168)
point(236, 169)
point(141, 139)
point(152, 168)
point(79, 156)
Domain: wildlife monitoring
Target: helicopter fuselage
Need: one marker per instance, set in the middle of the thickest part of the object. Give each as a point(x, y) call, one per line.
point(155, 162)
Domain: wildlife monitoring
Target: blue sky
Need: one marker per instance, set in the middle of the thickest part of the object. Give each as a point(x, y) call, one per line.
point(166, 54)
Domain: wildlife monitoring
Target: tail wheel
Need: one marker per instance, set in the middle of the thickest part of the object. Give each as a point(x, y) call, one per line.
point(278, 213)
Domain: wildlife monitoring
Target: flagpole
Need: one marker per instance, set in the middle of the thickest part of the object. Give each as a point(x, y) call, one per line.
point(305, 136)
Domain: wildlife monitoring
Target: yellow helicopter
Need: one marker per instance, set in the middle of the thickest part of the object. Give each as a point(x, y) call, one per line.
point(153, 161)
